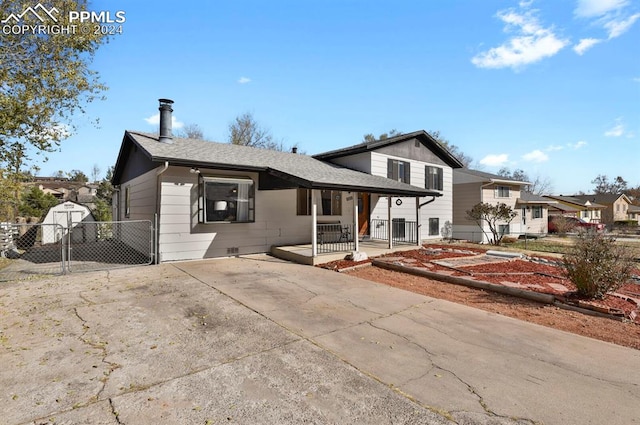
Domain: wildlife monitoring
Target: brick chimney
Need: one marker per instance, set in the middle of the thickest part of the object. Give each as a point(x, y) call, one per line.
point(165, 121)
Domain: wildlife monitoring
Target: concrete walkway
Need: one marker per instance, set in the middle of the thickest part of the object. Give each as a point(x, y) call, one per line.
point(261, 341)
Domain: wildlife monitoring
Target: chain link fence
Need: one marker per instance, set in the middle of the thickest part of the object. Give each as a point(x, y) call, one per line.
point(35, 250)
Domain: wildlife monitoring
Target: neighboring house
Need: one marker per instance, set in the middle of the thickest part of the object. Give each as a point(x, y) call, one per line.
point(633, 213)
point(579, 208)
point(65, 190)
point(471, 187)
point(217, 199)
point(617, 206)
point(413, 158)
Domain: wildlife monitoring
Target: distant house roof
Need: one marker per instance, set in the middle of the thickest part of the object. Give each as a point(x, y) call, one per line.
point(530, 198)
point(299, 170)
point(633, 209)
point(424, 137)
point(468, 175)
point(603, 198)
point(577, 202)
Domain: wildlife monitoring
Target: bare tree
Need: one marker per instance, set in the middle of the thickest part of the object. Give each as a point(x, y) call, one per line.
point(245, 130)
point(493, 216)
point(603, 185)
point(453, 149)
point(538, 186)
point(190, 131)
point(95, 172)
point(369, 137)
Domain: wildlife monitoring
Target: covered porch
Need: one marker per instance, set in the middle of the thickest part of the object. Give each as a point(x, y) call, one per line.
point(303, 254)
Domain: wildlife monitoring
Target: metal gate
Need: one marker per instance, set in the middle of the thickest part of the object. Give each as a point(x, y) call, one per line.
point(36, 250)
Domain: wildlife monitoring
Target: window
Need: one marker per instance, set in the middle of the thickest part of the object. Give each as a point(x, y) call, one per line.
point(398, 170)
point(502, 192)
point(434, 226)
point(536, 212)
point(227, 199)
point(433, 178)
point(329, 202)
point(127, 202)
point(618, 208)
point(503, 229)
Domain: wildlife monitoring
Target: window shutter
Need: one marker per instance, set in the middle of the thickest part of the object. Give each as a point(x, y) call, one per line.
point(407, 173)
point(200, 200)
point(389, 168)
point(440, 179)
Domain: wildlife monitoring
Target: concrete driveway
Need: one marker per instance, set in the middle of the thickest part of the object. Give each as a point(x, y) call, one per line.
point(257, 340)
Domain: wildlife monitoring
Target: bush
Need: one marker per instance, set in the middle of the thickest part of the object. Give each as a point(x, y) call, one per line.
point(596, 265)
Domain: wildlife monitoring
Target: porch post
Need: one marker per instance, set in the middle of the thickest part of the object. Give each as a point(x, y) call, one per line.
point(314, 224)
point(355, 222)
point(389, 229)
point(418, 224)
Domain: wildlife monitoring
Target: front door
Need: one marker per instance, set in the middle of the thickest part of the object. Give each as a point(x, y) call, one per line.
point(363, 213)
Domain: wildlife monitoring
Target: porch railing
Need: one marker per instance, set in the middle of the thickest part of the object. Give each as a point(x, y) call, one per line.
point(335, 237)
point(403, 231)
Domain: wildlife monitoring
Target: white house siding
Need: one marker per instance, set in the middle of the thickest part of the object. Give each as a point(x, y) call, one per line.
point(535, 225)
point(182, 237)
point(440, 208)
point(359, 162)
point(142, 206)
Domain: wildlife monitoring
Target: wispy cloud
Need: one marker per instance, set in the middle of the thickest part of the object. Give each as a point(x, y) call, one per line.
point(553, 148)
point(495, 160)
point(595, 8)
point(613, 16)
point(617, 130)
point(244, 80)
point(155, 120)
point(585, 44)
point(577, 145)
point(617, 27)
point(530, 43)
point(536, 156)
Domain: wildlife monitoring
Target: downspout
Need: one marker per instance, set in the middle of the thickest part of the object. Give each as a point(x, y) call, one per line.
point(157, 214)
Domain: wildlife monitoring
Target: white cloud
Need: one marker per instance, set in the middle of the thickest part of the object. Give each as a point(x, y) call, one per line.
point(536, 156)
point(585, 44)
point(495, 160)
point(637, 79)
point(531, 42)
point(553, 148)
point(593, 8)
point(616, 131)
point(244, 80)
point(617, 27)
point(155, 120)
point(579, 144)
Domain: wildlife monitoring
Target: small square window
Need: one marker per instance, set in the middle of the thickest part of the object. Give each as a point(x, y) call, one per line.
point(434, 226)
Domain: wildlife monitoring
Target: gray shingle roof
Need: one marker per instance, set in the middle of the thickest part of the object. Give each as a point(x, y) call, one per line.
point(437, 148)
point(530, 198)
point(487, 176)
point(575, 201)
point(312, 172)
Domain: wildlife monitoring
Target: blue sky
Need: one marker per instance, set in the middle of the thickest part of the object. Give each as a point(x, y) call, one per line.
point(551, 87)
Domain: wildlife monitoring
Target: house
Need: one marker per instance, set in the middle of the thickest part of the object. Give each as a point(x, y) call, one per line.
point(413, 158)
point(579, 208)
point(66, 190)
point(471, 187)
point(217, 199)
point(617, 206)
point(633, 213)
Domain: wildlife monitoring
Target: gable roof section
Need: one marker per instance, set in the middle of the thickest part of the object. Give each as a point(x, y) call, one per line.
point(530, 198)
point(577, 202)
point(468, 175)
point(424, 137)
point(603, 198)
point(300, 170)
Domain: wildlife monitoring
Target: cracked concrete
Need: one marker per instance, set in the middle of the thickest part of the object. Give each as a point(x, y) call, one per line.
point(264, 341)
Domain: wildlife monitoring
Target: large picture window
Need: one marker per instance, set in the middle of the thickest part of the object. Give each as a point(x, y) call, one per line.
point(227, 199)
point(434, 178)
point(399, 171)
point(328, 202)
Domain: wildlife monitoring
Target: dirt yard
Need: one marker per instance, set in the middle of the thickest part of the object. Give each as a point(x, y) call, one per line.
point(618, 332)
point(621, 333)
